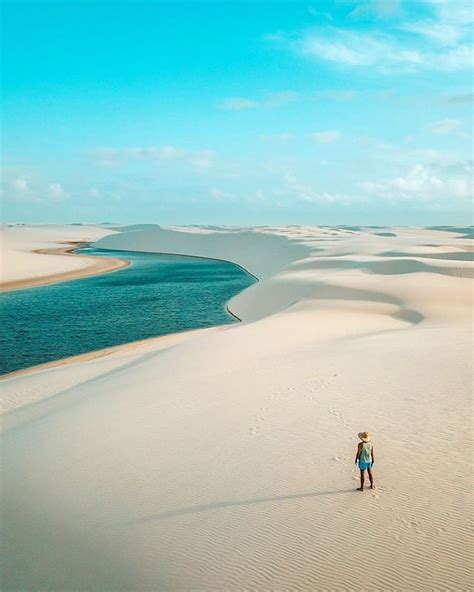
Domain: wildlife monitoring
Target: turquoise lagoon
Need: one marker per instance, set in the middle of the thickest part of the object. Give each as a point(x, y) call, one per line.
point(155, 295)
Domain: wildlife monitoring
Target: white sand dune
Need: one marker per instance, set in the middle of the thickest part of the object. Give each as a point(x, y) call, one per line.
point(20, 262)
point(223, 459)
point(261, 253)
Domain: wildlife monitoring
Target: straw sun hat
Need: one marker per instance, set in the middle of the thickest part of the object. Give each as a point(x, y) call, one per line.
point(364, 436)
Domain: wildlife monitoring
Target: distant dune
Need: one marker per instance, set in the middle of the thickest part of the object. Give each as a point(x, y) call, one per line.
point(223, 459)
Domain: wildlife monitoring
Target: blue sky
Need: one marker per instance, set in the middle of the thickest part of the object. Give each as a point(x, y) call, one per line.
point(246, 112)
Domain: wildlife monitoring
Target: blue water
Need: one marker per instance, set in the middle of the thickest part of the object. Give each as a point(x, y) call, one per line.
point(155, 295)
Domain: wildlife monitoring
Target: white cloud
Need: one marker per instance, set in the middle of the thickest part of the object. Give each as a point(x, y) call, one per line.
point(282, 137)
point(220, 195)
point(338, 95)
point(426, 183)
point(445, 34)
point(459, 12)
point(16, 188)
point(326, 137)
point(105, 157)
point(93, 192)
point(442, 41)
point(21, 185)
point(202, 160)
point(405, 156)
point(275, 99)
point(157, 153)
point(445, 126)
point(355, 49)
point(305, 193)
point(36, 191)
point(459, 58)
point(449, 24)
point(238, 104)
point(281, 98)
point(108, 193)
point(378, 8)
point(56, 192)
point(199, 160)
point(348, 48)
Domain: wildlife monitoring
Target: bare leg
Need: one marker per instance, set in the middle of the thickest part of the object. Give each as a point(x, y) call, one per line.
point(362, 478)
point(371, 478)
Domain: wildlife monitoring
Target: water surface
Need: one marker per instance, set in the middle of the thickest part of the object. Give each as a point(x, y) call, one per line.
point(155, 295)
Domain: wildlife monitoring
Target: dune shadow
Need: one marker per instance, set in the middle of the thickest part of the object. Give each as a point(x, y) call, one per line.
point(413, 317)
point(233, 504)
point(449, 256)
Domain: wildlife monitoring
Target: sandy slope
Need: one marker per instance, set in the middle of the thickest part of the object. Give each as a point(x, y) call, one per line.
point(224, 460)
point(36, 255)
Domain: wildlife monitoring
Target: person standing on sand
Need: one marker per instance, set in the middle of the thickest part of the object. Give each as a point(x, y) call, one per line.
point(366, 459)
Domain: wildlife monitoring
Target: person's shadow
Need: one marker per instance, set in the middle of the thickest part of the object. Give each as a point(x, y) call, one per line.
point(233, 504)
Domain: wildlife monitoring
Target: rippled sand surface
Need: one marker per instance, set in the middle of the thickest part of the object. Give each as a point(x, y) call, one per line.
point(224, 459)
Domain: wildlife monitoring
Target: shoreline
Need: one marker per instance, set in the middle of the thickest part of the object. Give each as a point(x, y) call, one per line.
point(106, 351)
point(99, 266)
point(192, 257)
